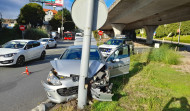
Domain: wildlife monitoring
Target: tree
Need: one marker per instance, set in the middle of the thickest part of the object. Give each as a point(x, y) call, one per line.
point(67, 20)
point(31, 13)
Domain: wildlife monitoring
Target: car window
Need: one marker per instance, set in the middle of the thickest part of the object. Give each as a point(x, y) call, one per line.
point(120, 53)
point(29, 45)
point(36, 44)
point(76, 53)
point(14, 44)
point(51, 40)
point(114, 42)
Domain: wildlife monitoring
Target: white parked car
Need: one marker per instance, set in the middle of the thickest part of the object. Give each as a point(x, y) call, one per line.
point(108, 47)
point(48, 42)
point(63, 79)
point(19, 51)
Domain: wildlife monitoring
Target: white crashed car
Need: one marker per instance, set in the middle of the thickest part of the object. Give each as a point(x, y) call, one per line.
point(63, 79)
point(19, 51)
point(48, 42)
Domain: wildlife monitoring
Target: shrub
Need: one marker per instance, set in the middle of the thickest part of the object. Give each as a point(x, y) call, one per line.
point(165, 54)
point(9, 34)
point(35, 34)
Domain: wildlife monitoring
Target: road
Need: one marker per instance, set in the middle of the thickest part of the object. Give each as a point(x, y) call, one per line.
point(20, 92)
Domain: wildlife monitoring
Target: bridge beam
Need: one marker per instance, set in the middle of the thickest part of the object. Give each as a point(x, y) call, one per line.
point(118, 28)
point(150, 29)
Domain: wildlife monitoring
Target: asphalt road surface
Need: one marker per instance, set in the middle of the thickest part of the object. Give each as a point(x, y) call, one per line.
point(20, 92)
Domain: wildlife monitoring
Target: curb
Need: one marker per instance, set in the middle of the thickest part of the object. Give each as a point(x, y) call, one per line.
point(44, 106)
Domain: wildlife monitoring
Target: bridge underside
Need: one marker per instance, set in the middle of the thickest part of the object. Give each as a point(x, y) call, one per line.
point(136, 14)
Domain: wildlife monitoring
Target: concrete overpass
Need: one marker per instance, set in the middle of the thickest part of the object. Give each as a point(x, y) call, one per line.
point(126, 15)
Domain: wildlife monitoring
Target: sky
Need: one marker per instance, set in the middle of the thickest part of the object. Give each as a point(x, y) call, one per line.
point(10, 9)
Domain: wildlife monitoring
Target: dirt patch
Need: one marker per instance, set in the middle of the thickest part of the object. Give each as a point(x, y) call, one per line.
point(68, 106)
point(185, 63)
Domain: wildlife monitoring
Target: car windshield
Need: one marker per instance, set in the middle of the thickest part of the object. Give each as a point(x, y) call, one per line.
point(43, 40)
point(75, 54)
point(114, 42)
point(14, 44)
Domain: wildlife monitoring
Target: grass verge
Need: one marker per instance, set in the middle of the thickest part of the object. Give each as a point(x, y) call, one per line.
point(150, 86)
point(165, 54)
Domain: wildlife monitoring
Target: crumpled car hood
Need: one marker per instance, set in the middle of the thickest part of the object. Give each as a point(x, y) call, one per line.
point(68, 67)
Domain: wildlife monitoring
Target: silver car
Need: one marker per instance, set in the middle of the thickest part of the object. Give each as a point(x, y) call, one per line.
point(62, 81)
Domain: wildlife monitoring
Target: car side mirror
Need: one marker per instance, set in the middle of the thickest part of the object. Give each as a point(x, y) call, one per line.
point(25, 48)
point(55, 58)
point(115, 60)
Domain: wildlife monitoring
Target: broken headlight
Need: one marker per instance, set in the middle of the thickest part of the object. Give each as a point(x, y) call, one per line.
point(75, 78)
point(53, 79)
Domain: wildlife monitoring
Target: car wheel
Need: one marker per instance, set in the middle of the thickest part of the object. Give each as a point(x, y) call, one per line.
point(55, 45)
point(47, 47)
point(20, 61)
point(43, 55)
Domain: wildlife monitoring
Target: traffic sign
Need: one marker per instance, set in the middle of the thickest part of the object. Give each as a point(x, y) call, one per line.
point(22, 27)
point(100, 33)
point(80, 9)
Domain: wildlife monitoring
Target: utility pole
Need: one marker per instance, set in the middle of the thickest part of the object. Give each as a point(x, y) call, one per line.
point(91, 15)
point(82, 94)
point(62, 24)
point(179, 32)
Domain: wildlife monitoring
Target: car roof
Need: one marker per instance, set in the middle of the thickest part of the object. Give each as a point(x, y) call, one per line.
point(116, 39)
point(46, 38)
point(23, 40)
point(80, 46)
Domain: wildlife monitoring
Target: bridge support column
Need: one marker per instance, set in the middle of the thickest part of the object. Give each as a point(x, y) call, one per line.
point(150, 33)
point(117, 28)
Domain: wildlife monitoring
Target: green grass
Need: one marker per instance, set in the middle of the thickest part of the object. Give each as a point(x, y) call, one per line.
point(150, 86)
point(183, 39)
point(165, 54)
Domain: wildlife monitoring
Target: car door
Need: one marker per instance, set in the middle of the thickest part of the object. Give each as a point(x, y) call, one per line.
point(118, 62)
point(51, 43)
point(29, 51)
point(37, 49)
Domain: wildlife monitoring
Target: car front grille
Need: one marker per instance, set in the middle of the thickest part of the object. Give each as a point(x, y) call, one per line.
point(2, 55)
point(68, 91)
point(105, 49)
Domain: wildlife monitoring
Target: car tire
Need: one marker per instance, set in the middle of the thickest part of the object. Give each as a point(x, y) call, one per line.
point(47, 47)
point(20, 61)
point(55, 46)
point(43, 55)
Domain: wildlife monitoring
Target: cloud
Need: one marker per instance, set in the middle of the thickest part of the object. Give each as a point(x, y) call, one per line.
point(11, 8)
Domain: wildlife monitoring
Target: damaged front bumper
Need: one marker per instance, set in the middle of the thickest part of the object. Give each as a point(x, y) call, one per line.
point(59, 94)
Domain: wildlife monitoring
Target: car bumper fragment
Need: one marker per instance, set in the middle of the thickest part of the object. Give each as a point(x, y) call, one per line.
point(101, 96)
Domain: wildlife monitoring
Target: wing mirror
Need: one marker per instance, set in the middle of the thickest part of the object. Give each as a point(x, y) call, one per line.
point(55, 58)
point(115, 60)
point(26, 47)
